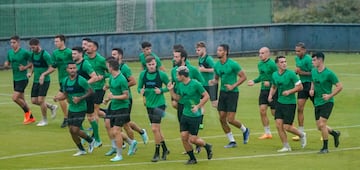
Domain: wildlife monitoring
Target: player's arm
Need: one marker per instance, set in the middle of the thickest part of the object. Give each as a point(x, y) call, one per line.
point(131, 81)
point(93, 78)
point(272, 93)
point(175, 96)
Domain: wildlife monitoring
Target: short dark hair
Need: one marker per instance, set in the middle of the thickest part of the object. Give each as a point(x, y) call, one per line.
point(119, 50)
point(278, 57)
point(183, 53)
point(145, 44)
point(226, 48)
point(301, 45)
point(34, 41)
point(183, 71)
point(319, 55)
point(61, 37)
point(178, 46)
point(86, 39)
point(15, 37)
point(149, 58)
point(71, 62)
point(95, 43)
point(110, 58)
point(200, 44)
point(113, 64)
point(78, 49)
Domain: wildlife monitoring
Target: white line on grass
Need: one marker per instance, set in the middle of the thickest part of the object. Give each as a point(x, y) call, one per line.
point(177, 161)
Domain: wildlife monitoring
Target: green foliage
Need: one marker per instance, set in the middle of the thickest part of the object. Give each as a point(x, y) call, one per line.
point(330, 11)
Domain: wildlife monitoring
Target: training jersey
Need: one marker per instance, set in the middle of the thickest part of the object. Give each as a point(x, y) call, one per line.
point(84, 69)
point(323, 82)
point(266, 69)
point(149, 81)
point(41, 62)
point(61, 58)
point(193, 74)
point(285, 81)
point(117, 86)
point(98, 63)
point(206, 61)
point(126, 71)
point(142, 59)
point(21, 57)
point(75, 88)
point(228, 73)
point(191, 94)
point(305, 64)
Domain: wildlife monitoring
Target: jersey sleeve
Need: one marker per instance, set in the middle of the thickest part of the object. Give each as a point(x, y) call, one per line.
point(83, 83)
point(140, 81)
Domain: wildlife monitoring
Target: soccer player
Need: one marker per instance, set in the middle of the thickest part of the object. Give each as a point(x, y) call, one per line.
point(117, 54)
point(98, 63)
point(42, 68)
point(19, 58)
point(146, 51)
point(266, 68)
point(61, 56)
point(76, 89)
point(150, 85)
point(303, 69)
point(231, 75)
point(119, 108)
point(321, 88)
point(206, 68)
point(286, 84)
point(195, 97)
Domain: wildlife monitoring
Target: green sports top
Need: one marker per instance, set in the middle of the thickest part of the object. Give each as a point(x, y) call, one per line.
point(207, 61)
point(75, 88)
point(305, 64)
point(228, 73)
point(323, 82)
point(61, 58)
point(191, 94)
point(149, 81)
point(283, 82)
point(126, 71)
point(98, 63)
point(117, 86)
point(142, 59)
point(266, 69)
point(41, 63)
point(21, 57)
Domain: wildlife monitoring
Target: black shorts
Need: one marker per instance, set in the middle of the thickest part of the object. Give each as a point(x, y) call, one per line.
point(324, 110)
point(19, 86)
point(228, 101)
point(60, 90)
point(76, 118)
point(304, 93)
point(119, 117)
point(155, 114)
point(90, 104)
point(40, 90)
point(180, 109)
point(286, 112)
point(213, 91)
point(99, 96)
point(263, 98)
point(190, 124)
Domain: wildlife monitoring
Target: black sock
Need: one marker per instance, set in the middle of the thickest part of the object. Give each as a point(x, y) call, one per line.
point(207, 146)
point(80, 146)
point(141, 132)
point(25, 109)
point(163, 145)
point(31, 116)
point(157, 149)
point(65, 119)
point(325, 142)
point(191, 155)
point(333, 133)
point(89, 139)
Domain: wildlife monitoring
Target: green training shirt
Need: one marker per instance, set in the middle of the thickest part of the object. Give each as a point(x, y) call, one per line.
point(61, 58)
point(228, 73)
point(191, 94)
point(41, 63)
point(75, 88)
point(305, 64)
point(21, 57)
point(126, 71)
point(98, 63)
point(149, 81)
point(266, 69)
point(207, 61)
point(283, 82)
point(323, 83)
point(117, 86)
